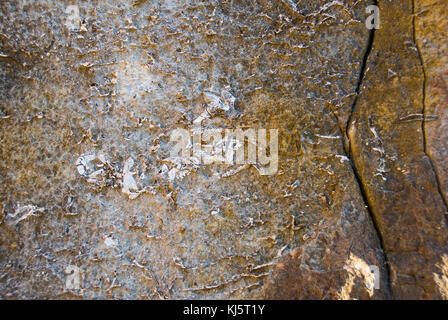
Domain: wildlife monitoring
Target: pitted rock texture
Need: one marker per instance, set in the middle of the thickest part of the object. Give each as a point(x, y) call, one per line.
point(389, 149)
point(93, 207)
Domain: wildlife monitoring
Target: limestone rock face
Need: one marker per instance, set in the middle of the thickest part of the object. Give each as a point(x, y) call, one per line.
point(93, 205)
point(388, 145)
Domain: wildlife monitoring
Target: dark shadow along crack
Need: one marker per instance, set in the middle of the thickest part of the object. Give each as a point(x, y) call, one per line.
point(348, 153)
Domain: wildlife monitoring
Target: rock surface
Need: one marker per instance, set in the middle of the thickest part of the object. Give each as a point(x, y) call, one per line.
point(388, 145)
point(92, 205)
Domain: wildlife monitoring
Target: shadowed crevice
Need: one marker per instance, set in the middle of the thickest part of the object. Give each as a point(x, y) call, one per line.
point(348, 149)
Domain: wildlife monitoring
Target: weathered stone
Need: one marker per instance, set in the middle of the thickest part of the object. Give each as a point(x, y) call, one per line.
point(94, 207)
point(388, 147)
point(431, 32)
